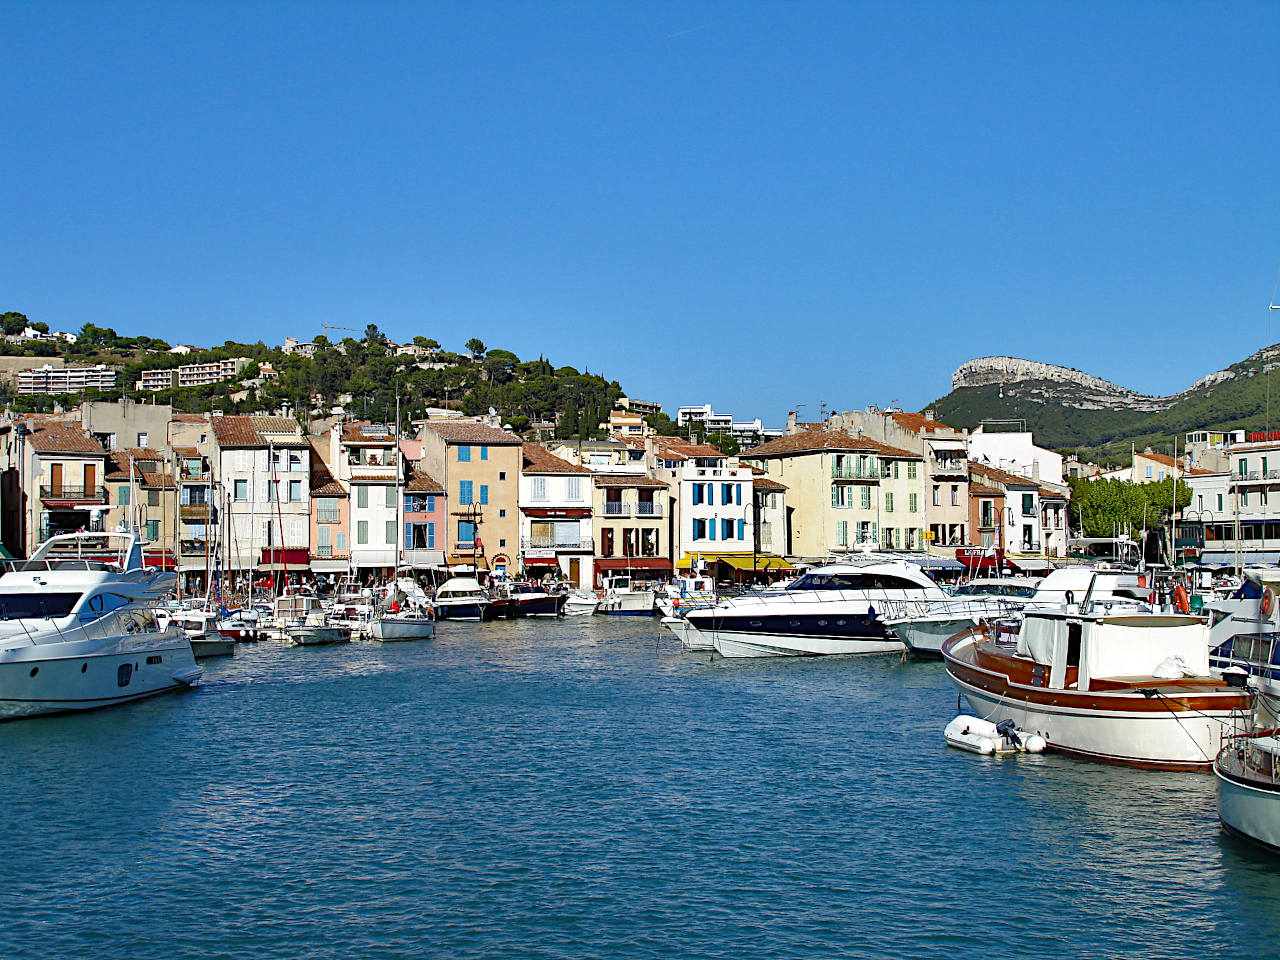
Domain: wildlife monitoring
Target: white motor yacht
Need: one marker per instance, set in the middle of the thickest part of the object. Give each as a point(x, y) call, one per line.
point(622, 597)
point(971, 603)
point(462, 598)
point(834, 609)
point(78, 628)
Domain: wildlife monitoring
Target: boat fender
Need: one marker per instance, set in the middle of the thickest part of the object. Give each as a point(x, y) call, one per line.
point(1268, 602)
point(1034, 743)
point(1181, 602)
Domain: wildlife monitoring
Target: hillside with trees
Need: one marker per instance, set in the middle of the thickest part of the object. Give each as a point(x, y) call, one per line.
point(362, 374)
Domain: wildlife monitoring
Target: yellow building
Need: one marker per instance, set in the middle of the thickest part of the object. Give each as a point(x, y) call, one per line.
point(479, 468)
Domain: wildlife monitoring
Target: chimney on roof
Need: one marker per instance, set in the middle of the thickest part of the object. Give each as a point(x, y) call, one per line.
point(930, 414)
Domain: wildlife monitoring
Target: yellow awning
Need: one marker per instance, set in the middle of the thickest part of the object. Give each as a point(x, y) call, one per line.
point(739, 561)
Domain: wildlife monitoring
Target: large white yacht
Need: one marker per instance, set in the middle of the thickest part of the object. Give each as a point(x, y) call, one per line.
point(835, 609)
point(78, 629)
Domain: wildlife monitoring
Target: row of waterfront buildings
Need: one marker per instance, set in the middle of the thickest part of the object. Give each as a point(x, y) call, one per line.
point(261, 493)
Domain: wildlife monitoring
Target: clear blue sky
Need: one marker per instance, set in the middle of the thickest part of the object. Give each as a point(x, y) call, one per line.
point(755, 205)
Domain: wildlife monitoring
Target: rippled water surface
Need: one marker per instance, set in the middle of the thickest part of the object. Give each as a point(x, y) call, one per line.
point(582, 789)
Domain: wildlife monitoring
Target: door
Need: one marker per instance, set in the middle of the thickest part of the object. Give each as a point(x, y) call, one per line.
point(55, 479)
point(575, 571)
point(90, 480)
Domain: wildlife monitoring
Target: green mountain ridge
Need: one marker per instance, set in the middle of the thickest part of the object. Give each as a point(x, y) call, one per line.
point(1067, 410)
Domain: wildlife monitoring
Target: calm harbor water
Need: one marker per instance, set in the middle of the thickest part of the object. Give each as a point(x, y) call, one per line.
point(582, 789)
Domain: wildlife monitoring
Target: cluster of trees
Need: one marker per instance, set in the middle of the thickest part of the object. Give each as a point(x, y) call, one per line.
point(1101, 508)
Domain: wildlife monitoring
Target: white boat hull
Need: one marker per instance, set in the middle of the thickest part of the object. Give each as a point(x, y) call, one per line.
point(627, 603)
point(924, 637)
point(580, 608)
point(1140, 738)
point(1248, 804)
point(390, 629)
point(732, 644)
point(690, 639)
point(90, 679)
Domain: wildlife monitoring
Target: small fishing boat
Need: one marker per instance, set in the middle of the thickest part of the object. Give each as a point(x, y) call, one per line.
point(531, 600)
point(580, 603)
point(624, 598)
point(686, 593)
point(1108, 681)
point(316, 630)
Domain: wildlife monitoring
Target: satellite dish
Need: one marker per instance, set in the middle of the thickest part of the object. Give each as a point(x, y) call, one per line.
point(493, 412)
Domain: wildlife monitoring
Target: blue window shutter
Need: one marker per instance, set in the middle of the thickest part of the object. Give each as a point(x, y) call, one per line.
point(431, 503)
point(464, 491)
point(484, 493)
point(712, 525)
point(742, 529)
point(408, 537)
point(431, 535)
point(464, 454)
point(697, 494)
point(484, 453)
point(711, 494)
point(737, 495)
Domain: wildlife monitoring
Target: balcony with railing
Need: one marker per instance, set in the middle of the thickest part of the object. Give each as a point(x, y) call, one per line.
point(195, 548)
point(558, 543)
point(948, 467)
point(194, 511)
point(616, 508)
point(850, 471)
point(1024, 546)
point(1255, 476)
point(62, 492)
point(649, 508)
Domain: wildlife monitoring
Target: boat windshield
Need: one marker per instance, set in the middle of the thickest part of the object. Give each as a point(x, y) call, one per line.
point(33, 606)
point(854, 581)
point(994, 590)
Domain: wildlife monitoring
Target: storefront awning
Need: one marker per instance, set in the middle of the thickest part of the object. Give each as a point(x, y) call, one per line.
point(633, 563)
point(566, 512)
point(541, 561)
point(739, 561)
point(1227, 558)
point(330, 565)
point(1030, 564)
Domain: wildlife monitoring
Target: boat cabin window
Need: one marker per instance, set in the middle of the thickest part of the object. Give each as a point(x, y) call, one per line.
point(854, 581)
point(19, 606)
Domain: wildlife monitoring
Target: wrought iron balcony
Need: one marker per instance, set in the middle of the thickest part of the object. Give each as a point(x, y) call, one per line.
point(557, 543)
point(616, 508)
point(95, 494)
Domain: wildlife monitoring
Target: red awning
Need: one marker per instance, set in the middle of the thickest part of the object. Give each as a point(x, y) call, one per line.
point(164, 561)
point(544, 561)
point(546, 512)
point(633, 563)
point(276, 558)
point(75, 504)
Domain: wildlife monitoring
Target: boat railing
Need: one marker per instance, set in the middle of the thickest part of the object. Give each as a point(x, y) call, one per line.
point(27, 566)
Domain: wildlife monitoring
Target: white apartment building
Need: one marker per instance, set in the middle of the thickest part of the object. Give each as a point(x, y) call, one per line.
point(555, 498)
point(362, 457)
point(1015, 452)
point(51, 379)
point(264, 472)
point(192, 374)
point(711, 498)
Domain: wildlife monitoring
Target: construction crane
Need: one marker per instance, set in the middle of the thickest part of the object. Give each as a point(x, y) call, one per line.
point(326, 327)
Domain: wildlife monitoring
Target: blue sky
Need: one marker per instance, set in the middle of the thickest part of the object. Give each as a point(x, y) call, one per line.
point(754, 205)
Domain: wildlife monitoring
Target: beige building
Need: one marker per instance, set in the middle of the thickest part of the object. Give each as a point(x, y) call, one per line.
point(479, 468)
point(846, 491)
point(631, 525)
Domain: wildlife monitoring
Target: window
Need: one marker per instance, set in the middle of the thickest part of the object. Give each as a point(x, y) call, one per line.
point(295, 491)
point(841, 495)
point(153, 530)
point(502, 513)
point(1148, 471)
point(323, 547)
point(327, 510)
point(866, 498)
point(123, 495)
point(242, 461)
point(340, 542)
point(1219, 501)
point(937, 502)
point(697, 494)
point(272, 489)
point(502, 474)
point(466, 532)
point(699, 529)
point(431, 503)
point(538, 488)
point(913, 500)
point(391, 499)
point(1028, 504)
point(484, 453)
point(606, 540)
point(464, 454)
point(888, 503)
point(911, 470)
point(484, 493)
point(1161, 476)
point(391, 531)
point(362, 496)
point(766, 533)
point(842, 533)
point(1244, 464)
point(1244, 498)
point(464, 492)
point(726, 529)
point(726, 493)
point(295, 461)
point(431, 536)
point(773, 501)
point(297, 532)
point(153, 498)
point(895, 469)
point(986, 513)
point(362, 531)
point(573, 488)
point(143, 439)
point(955, 495)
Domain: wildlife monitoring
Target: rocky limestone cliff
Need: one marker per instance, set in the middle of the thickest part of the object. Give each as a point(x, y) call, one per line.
point(1042, 382)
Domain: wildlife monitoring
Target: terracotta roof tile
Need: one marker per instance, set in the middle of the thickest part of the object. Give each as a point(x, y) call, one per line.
point(538, 459)
point(365, 431)
point(610, 480)
point(59, 436)
point(982, 490)
point(817, 441)
point(999, 476)
point(919, 423)
point(468, 431)
point(422, 482)
point(323, 483)
point(1166, 460)
point(768, 485)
